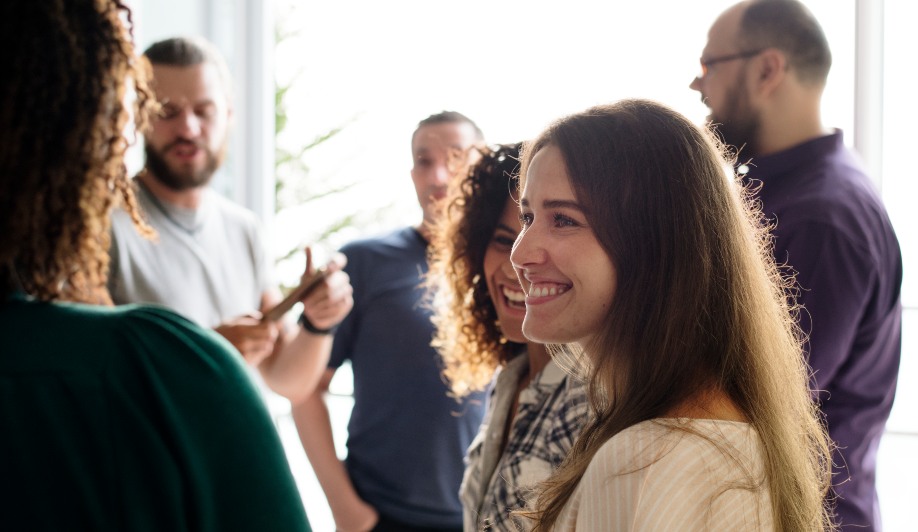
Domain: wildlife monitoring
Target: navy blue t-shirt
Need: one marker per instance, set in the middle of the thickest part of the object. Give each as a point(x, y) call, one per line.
point(832, 229)
point(406, 437)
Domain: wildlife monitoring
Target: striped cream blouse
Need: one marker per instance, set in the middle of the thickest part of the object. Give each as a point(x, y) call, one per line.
point(673, 474)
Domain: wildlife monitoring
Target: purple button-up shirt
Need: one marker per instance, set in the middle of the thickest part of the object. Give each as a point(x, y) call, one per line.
point(832, 229)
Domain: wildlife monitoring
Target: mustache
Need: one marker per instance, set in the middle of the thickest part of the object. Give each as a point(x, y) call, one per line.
point(183, 142)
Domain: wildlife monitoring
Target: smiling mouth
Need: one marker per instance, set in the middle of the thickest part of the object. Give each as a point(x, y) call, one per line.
point(546, 290)
point(514, 298)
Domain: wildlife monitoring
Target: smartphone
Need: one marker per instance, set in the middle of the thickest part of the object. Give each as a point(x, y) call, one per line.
point(306, 286)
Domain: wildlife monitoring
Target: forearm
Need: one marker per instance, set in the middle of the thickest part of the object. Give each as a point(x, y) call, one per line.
point(314, 427)
point(295, 368)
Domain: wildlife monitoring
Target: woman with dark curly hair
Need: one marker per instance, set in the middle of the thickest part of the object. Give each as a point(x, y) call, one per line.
point(127, 418)
point(536, 410)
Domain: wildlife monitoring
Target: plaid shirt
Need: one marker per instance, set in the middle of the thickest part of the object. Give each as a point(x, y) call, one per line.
point(551, 413)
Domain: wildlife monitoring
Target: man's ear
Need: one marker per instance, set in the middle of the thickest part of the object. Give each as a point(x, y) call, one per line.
point(771, 70)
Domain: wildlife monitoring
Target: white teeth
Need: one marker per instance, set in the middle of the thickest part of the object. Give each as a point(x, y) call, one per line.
point(543, 291)
point(516, 296)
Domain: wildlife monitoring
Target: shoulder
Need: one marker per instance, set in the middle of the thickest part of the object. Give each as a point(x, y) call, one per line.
point(679, 443)
point(122, 226)
point(129, 343)
point(387, 255)
point(677, 474)
point(405, 238)
point(165, 342)
point(150, 318)
point(831, 192)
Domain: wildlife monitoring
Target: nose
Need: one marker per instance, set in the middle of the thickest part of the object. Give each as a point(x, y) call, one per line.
point(506, 268)
point(188, 124)
point(441, 175)
point(695, 85)
point(527, 251)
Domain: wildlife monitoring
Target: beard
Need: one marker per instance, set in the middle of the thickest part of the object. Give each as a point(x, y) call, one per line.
point(183, 179)
point(738, 126)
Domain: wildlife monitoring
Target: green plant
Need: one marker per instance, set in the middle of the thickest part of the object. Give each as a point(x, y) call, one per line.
point(291, 170)
point(295, 185)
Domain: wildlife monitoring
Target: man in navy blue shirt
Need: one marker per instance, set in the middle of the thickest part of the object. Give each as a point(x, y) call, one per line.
point(763, 72)
point(407, 437)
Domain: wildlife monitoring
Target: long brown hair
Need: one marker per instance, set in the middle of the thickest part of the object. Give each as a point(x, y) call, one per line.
point(70, 66)
point(699, 303)
point(468, 336)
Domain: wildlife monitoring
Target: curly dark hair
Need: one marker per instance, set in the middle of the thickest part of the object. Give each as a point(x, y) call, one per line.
point(71, 69)
point(468, 336)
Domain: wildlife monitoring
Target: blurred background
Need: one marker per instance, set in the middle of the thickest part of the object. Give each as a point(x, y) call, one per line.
point(327, 94)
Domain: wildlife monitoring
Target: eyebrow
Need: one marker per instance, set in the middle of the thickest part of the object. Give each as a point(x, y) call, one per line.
point(428, 148)
point(555, 204)
point(506, 228)
point(198, 103)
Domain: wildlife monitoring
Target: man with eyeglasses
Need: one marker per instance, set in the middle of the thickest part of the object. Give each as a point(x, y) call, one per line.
point(763, 72)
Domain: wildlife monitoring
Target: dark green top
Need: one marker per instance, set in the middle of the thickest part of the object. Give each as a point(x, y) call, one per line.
point(132, 418)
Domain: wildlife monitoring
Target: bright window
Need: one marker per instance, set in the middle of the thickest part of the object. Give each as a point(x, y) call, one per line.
point(512, 66)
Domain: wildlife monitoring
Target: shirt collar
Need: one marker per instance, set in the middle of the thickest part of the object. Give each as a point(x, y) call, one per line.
point(545, 383)
point(775, 165)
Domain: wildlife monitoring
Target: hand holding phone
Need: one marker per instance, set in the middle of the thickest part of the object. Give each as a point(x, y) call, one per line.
point(306, 287)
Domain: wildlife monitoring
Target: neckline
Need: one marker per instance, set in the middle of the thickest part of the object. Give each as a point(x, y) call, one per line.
point(164, 210)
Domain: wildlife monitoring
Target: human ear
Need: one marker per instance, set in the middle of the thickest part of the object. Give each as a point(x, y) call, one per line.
point(771, 70)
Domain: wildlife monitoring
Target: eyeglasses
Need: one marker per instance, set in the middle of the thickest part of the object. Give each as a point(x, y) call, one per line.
point(706, 63)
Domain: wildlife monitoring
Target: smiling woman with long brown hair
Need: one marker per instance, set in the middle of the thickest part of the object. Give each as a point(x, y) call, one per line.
point(640, 253)
point(126, 418)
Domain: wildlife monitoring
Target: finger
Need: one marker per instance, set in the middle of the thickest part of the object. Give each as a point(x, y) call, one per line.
point(340, 289)
point(309, 267)
point(337, 262)
point(333, 286)
point(250, 325)
point(256, 352)
point(331, 311)
point(258, 344)
point(263, 332)
point(245, 320)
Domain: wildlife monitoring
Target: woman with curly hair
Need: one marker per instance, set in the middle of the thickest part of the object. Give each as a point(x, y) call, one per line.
point(640, 254)
point(535, 410)
point(127, 418)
